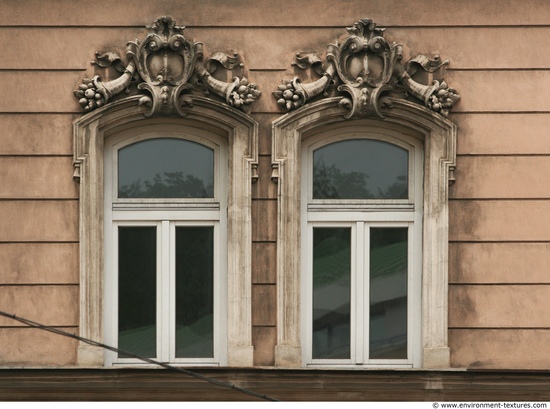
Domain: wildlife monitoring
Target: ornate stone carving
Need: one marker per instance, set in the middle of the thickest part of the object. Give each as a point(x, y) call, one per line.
point(363, 68)
point(170, 69)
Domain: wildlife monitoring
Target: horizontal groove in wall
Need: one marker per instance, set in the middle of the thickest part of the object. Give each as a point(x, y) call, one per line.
point(499, 199)
point(39, 284)
point(69, 69)
point(277, 27)
point(499, 241)
point(28, 327)
point(41, 112)
point(495, 113)
point(274, 113)
point(268, 113)
point(499, 328)
point(281, 69)
point(268, 69)
point(38, 242)
point(499, 69)
point(497, 155)
point(33, 199)
point(496, 284)
point(34, 155)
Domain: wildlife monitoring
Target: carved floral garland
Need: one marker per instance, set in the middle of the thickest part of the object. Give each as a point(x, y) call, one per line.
point(362, 68)
point(168, 66)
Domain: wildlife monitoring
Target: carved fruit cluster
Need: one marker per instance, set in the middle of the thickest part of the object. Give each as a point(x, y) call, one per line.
point(88, 96)
point(443, 99)
point(287, 96)
point(244, 94)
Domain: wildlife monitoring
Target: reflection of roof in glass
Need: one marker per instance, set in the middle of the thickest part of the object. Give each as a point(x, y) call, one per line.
point(197, 336)
point(385, 260)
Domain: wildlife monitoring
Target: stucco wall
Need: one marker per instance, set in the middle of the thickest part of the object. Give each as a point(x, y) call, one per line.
point(499, 208)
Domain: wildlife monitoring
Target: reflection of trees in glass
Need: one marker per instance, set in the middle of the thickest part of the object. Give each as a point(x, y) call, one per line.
point(329, 182)
point(171, 185)
point(397, 190)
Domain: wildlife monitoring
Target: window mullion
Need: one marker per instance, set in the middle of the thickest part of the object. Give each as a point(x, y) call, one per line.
point(111, 293)
point(366, 291)
point(415, 288)
point(309, 288)
point(164, 301)
point(359, 294)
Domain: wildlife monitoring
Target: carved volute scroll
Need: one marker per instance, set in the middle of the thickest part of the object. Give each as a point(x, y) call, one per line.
point(364, 68)
point(170, 69)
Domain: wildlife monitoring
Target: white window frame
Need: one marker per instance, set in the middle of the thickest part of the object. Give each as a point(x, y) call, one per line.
point(165, 215)
point(360, 215)
point(438, 136)
point(240, 132)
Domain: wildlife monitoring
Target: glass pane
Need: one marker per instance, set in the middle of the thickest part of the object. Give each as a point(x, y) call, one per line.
point(360, 169)
point(388, 293)
point(165, 168)
point(137, 301)
point(194, 292)
point(331, 293)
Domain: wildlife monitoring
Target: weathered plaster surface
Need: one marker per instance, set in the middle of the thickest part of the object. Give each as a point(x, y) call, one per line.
point(498, 213)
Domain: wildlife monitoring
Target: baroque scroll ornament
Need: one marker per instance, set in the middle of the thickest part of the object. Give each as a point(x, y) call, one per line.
point(362, 69)
point(169, 67)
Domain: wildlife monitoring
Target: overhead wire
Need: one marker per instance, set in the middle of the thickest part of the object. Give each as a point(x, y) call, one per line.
point(213, 381)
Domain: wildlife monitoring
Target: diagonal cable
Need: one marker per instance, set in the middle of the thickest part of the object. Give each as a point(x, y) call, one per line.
point(213, 381)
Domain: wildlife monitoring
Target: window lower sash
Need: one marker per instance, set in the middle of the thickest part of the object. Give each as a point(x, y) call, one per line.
point(165, 292)
point(360, 295)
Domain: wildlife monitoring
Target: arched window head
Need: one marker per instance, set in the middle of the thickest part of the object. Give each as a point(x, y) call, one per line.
point(360, 169)
point(166, 244)
point(350, 239)
point(361, 241)
point(157, 192)
point(165, 168)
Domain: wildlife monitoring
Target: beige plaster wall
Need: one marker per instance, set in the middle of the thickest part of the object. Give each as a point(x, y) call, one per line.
point(499, 210)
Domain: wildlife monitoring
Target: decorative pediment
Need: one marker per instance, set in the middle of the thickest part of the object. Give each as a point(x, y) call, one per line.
point(362, 69)
point(168, 69)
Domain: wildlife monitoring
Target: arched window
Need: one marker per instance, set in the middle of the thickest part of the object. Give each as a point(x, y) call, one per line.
point(166, 244)
point(165, 233)
point(362, 236)
point(361, 248)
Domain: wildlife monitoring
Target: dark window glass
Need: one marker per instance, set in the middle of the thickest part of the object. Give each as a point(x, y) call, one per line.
point(194, 292)
point(137, 278)
point(388, 293)
point(166, 168)
point(331, 293)
point(360, 169)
